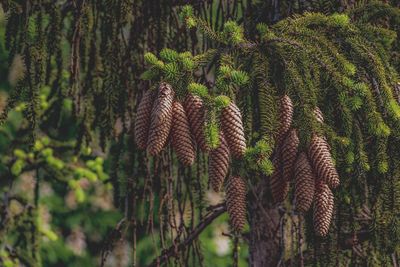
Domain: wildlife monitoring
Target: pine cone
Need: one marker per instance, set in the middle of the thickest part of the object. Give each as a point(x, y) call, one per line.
point(305, 183)
point(231, 122)
point(180, 135)
point(161, 118)
point(285, 118)
point(318, 115)
point(279, 186)
point(236, 202)
point(321, 160)
point(289, 154)
point(143, 117)
point(323, 208)
point(195, 112)
point(218, 164)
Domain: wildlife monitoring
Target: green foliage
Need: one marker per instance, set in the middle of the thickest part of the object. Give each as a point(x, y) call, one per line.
point(150, 58)
point(198, 89)
point(212, 134)
point(68, 119)
point(187, 11)
point(258, 158)
point(233, 33)
point(222, 101)
point(169, 55)
point(74, 182)
point(174, 68)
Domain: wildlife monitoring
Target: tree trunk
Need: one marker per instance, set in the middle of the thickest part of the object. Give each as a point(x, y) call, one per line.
point(265, 230)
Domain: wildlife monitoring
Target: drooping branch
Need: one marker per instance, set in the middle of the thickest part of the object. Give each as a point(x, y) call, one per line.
point(174, 250)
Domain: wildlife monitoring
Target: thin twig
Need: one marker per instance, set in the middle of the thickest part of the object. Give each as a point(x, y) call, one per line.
point(173, 251)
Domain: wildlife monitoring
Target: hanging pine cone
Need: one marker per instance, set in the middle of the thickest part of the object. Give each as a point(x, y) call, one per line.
point(323, 208)
point(285, 118)
point(232, 126)
point(289, 154)
point(318, 115)
point(305, 183)
point(279, 186)
point(195, 112)
point(321, 160)
point(161, 118)
point(180, 135)
point(218, 164)
point(236, 202)
point(143, 117)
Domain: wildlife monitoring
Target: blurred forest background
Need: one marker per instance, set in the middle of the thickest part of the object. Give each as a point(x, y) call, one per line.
point(76, 191)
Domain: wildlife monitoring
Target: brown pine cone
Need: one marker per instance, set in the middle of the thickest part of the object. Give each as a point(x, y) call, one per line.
point(318, 115)
point(289, 154)
point(236, 202)
point(143, 118)
point(218, 164)
point(279, 186)
point(321, 160)
point(180, 135)
point(195, 112)
point(285, 118)
point(161, 118)
point(305, 183)
point(232, 126)
point(323, 208)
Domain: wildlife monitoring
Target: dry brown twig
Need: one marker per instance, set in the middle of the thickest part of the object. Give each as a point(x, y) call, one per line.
point(178, 246)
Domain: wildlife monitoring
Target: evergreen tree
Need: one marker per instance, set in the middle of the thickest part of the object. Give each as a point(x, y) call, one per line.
point(275, 99)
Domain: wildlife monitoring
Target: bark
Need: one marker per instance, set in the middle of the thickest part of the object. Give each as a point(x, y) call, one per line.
point(265, 230)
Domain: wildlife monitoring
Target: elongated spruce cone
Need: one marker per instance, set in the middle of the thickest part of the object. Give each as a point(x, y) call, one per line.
point(143, 118)
point(180, 135)
point(305, 183)
point(218, 164)
point(236, 202)
point(318, 115)
point(195, 112)
point(321, 160)
point(285, 118)
point(232, 126)
point(161, 118)
point(323, 208)
point(289, 154)
point(279, 186)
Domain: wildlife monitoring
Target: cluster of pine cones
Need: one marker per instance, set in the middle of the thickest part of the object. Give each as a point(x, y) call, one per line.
point(161, 117)
point(314, 172)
